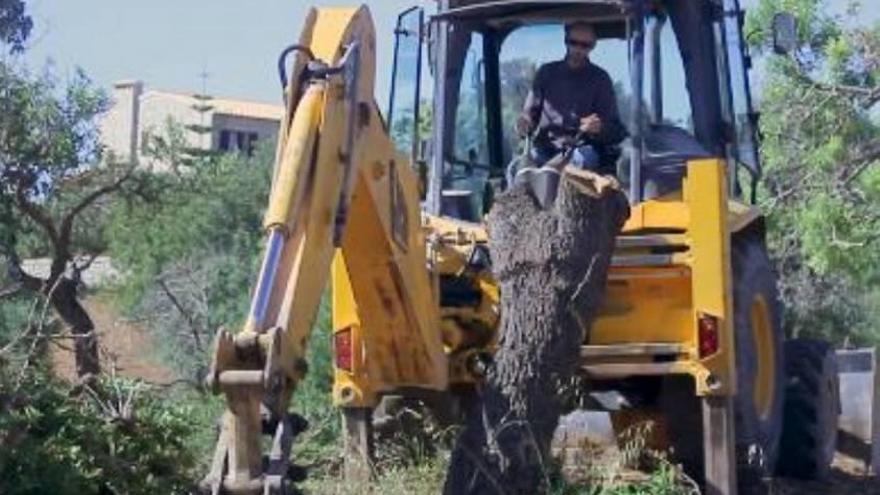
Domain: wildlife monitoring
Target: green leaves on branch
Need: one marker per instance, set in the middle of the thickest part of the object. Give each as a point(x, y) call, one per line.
point(190, 258)
point(116, 438)
point(15, 24)
point(821, 151)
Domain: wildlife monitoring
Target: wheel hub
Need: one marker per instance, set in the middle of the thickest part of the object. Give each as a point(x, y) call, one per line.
point(765, 374)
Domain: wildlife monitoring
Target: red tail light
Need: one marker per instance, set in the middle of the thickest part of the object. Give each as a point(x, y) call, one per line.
point(342, 347)
point(708, 334)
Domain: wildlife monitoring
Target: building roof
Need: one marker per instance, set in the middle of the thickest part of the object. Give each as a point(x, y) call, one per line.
point(228, 106)
point(253, 109)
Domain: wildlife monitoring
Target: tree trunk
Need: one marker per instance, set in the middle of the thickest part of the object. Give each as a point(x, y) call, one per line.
point(85, 343)
point(552, 266)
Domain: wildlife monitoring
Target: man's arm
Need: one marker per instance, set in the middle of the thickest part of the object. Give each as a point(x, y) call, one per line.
point(613, 131)
point(531, 112)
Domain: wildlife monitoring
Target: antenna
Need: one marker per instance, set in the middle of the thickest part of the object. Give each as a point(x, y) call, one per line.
point(204, 75)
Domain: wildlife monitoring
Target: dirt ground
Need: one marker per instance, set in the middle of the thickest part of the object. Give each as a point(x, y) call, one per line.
point(587, 438)
point(848, 477)
point(125, 346)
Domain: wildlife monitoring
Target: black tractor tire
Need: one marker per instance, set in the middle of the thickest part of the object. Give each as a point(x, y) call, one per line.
point(757, 432)
point(812, 407)
point(758, 426)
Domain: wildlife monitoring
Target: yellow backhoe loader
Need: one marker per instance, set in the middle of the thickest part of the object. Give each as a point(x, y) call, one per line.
point(386, 206)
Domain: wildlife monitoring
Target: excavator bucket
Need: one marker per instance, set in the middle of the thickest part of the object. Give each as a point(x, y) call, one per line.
point(859, 435)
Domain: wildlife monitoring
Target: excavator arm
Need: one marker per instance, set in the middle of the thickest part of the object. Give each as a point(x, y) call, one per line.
point(344, 203)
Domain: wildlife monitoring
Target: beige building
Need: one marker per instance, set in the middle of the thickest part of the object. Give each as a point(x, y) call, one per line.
point(138, 113)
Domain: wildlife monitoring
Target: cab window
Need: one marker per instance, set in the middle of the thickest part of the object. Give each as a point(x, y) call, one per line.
point(528, 48)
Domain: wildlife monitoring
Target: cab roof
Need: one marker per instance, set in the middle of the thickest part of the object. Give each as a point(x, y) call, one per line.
point(607, 15)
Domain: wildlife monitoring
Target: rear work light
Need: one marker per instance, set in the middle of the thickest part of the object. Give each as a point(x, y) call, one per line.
point(343, 349)
point(708, 335)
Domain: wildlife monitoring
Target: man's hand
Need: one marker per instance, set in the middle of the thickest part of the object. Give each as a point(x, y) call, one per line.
point(523, 125)
point(591, 124)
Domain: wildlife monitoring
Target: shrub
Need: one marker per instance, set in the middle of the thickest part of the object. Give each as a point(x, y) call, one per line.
point(114, 437)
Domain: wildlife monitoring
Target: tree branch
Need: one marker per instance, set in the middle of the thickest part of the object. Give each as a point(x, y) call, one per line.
point(867, 96)
point(37, 214)
point(11, 290)
point(194, 329)
point(17, 274)
point(78, 268)
point(869, 156)
point(67, 222)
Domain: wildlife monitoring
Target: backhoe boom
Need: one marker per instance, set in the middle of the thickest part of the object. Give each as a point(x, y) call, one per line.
point(341, 196)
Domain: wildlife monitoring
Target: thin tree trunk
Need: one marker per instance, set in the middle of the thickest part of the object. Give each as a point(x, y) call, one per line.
point(66, 304)
point(552, 266)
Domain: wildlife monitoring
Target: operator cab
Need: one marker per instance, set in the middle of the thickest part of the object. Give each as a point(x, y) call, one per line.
point(693, 98)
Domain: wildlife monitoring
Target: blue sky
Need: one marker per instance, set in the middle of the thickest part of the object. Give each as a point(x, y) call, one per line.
point(168, 43)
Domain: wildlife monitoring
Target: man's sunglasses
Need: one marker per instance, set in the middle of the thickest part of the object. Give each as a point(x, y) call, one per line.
point(586, 45)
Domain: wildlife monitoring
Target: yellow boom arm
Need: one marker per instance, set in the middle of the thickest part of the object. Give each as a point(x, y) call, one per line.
point(341, 196)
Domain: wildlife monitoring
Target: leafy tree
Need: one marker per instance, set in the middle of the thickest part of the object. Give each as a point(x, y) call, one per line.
point(516, 80)
point(115, 437)
point(54, 188)
point(191, 257)
point(402, 127)
point(15, 24)
point(821, 148)
point(201, 131)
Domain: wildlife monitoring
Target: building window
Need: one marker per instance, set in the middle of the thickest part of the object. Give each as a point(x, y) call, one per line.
point(224, 140)
point(240, 141)
point(252, 143)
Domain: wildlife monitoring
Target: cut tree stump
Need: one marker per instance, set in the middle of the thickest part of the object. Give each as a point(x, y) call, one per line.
point(551, 265)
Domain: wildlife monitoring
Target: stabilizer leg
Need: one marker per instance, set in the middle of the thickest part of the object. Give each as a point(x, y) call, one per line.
point(718, 445)
point(357, 425)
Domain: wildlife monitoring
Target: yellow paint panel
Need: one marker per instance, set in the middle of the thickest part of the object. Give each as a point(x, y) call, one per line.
point(344, 305)
point(662, 304)
point(706, 192)
point(456, 231)
point(640, 308)
point(659, 213)
point(332, 23)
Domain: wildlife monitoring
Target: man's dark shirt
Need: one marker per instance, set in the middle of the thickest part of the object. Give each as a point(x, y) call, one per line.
point(562, 96)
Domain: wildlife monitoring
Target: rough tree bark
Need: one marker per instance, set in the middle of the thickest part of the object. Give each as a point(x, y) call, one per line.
point(552, 266)
point(85, 343)
point(61, 293)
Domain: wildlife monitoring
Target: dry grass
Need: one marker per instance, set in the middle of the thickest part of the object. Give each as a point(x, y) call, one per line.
point(423, 478)
point(631, 470)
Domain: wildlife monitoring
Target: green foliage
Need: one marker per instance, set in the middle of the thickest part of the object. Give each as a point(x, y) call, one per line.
point(15, 24)
point(313, 397)
point(14, 315)
point(215, 207)
point(55, 190)
point(201, 132)
point(516, 81)
point(48, 131)
point(203, 414)
point(822, 185)
point(814, 27)
point(634, 469)
point(402, 127)
point(117, 438)
point(191, 257)
point(424, 477)
point(190, 261)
